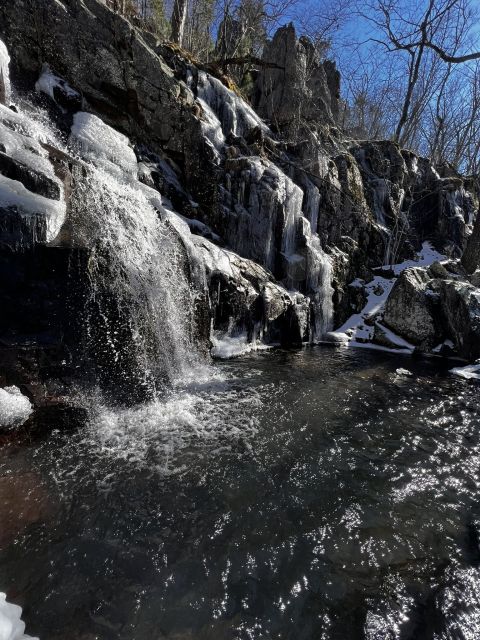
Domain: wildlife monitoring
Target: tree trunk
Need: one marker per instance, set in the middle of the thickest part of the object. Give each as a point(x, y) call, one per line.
point(178, 20)
point(471, 255)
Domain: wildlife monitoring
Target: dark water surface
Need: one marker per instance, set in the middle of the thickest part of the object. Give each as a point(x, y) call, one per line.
point(302, 495)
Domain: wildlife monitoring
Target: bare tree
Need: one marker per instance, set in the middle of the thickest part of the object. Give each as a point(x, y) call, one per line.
point(179, 17)
point(442, 28)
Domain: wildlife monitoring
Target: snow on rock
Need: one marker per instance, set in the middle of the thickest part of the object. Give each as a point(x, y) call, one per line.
point(14, 408)
point(14, 194)
point(48, 82)
point(359, 329)
point(101, 145)
point(403, 372)
point(5, 89)
point(470, 372)
point(23, 137)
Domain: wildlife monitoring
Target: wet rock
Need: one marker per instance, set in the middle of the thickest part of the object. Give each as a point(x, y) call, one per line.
point(33, 180)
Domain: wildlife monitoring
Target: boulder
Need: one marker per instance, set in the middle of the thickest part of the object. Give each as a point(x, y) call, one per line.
point(408, 310)
point(461, 308)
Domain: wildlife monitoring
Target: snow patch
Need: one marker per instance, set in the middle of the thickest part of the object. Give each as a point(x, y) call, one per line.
point(358, 330)
point(48, 81)
point(14, 194)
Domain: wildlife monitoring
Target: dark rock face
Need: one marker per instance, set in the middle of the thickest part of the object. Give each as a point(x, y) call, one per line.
point(460, 302)
point(114, 67)
point(299, 87)
point(409, 311)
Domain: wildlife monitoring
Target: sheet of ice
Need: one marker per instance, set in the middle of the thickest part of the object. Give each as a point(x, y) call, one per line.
point(470, 372)
point(23, 137)
point(358, 331)
point(4, 70)
point(11, 625)
point(102, 146)
point(233, 113)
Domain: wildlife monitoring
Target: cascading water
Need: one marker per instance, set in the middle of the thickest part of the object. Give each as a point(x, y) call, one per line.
point(139, 259)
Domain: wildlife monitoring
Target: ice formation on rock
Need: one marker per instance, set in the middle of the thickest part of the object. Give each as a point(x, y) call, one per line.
point(11, 625)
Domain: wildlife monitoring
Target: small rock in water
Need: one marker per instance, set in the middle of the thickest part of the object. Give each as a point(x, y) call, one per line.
point(403, 372)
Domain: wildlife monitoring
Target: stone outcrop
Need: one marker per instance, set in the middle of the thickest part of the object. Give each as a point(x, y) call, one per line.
point(410, 310)
point(434, 305)
point(296, 87)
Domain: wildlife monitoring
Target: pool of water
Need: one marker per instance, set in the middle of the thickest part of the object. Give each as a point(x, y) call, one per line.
point(309, 495)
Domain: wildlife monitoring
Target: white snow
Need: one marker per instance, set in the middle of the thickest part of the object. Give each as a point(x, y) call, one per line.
point(11, 625)
point(13, 193)
point(403, 372)
point(14, 408)
point(47, 82)
point(23, 136)
point(356, 332)
point(446, 343)
point(4, 72)
point(470, 372)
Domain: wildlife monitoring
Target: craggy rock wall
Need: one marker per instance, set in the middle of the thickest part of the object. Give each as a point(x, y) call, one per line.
point(283, 213)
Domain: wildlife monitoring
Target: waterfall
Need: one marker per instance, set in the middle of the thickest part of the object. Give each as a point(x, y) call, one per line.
point(140, 265)
point(319, 281)
point(319, 268)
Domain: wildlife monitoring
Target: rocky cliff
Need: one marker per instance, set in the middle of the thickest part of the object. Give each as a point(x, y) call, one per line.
point(134, 185)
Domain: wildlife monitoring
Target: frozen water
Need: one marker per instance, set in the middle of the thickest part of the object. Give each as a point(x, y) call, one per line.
point(11, 625)
point(102, 145)
point(14, 407)
point(4, 71)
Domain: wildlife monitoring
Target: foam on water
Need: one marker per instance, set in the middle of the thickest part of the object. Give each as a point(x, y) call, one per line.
point(209, 414)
